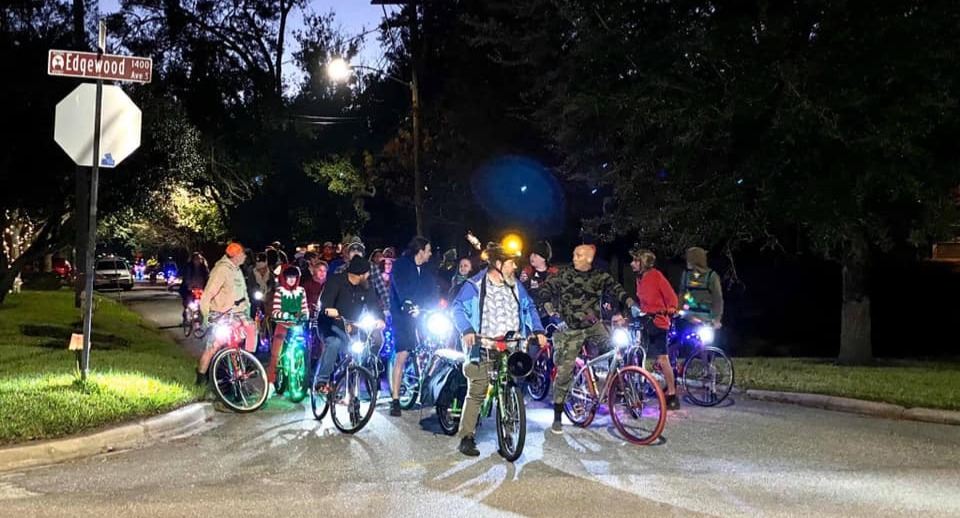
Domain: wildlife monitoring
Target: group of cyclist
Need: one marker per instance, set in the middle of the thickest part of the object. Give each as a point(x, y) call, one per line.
point(491, 296)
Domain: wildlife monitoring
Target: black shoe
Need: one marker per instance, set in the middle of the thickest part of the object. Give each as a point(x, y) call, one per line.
point(395, 408)
point(673, 402)
point(468, 447)
point(201, 378)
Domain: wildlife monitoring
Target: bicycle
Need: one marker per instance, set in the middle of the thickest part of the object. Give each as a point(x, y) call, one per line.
point(292, 367)
point(544, 370)
point(193, 320)
point(513, 363)
point(237, 377)
point(353, 398)
point(436, 336)
point(631, 393)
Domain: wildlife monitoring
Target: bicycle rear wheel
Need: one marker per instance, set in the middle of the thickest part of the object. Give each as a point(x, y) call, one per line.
point(708, 376)
point(581, 404)
point(353, 399)
point(639, 417)
point(511, 422)
point(538, 382)
point(238, 380)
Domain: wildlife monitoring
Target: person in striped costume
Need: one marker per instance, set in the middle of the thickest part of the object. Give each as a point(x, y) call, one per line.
point(289, 306)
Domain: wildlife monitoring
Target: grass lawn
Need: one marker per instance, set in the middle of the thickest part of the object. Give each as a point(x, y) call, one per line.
point(910, 383)
point(136, 371)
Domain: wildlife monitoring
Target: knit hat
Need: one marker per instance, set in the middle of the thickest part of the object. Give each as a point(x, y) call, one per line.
point(358, 266)
point(543, 249)
point(697, 257)
point(234, 249)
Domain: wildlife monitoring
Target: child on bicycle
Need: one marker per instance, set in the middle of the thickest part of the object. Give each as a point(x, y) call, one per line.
point(289, 306)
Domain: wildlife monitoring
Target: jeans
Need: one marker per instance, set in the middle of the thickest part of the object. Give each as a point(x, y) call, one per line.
point(334, 342)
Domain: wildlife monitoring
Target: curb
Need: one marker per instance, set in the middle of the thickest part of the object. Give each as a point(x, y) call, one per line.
point(183, 421)
point(858, 406)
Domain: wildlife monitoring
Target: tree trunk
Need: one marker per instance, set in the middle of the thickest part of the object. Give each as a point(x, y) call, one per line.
point(856, 347)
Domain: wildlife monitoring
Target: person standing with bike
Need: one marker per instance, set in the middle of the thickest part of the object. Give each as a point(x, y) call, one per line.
point(701, 294)
point(345, 296)
point(577, 292)
point(289, 306)
point(492, 303)
point(225, 288)
point(412, 287)
point(658, 302)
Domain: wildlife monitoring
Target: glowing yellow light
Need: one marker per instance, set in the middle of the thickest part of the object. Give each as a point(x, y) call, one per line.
point(512, 244)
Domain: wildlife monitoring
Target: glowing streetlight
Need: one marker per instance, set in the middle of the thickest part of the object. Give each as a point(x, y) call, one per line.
point(339, 70)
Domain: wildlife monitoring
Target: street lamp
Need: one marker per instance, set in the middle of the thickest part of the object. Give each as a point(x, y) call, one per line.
point(339, 70)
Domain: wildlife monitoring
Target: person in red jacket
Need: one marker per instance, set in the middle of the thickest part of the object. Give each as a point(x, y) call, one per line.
point(657, 299)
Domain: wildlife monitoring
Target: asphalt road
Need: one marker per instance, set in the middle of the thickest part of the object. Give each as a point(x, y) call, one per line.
point(744, 459)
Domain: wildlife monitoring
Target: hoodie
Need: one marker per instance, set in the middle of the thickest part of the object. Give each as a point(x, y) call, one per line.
point(289, 300)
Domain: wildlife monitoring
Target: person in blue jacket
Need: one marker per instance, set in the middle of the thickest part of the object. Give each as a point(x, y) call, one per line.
point(490, 304)
point(412, 288)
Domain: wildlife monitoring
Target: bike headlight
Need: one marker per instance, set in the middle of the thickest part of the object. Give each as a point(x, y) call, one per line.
point(367, 323)
point(357, 347)
point(439, 325)
point(258, 295)
point(194, 305)
point(706, 334)
point(222, 332)
point(620, 337)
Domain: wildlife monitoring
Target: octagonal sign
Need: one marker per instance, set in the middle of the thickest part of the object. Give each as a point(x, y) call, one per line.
point(119, 125)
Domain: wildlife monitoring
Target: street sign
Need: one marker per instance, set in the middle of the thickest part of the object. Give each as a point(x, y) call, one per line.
point(119, 125)
point(110, 67)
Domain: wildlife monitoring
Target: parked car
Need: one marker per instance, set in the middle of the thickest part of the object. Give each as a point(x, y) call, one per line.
point(113, 272)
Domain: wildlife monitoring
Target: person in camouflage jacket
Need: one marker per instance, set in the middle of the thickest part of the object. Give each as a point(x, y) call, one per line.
point(574, 294)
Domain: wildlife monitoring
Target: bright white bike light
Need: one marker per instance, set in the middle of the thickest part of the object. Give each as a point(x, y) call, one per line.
point(367, 323)
point(620, 337)
point(439, 325)
point(194, 305)
point(258, 295)
point(222, 332)
point(706, 334)
point(356, 347)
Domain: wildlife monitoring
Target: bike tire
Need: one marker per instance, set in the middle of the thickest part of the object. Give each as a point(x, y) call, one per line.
point(409, 382)
point(582, 401)
point(232, 373)
point(188, 326)
point(449, 423)
point(538, 382)
point(296, 381)
point(353, 378)
point(319, 403)
point(620, 387)
point(511, 442)
point(720, 390)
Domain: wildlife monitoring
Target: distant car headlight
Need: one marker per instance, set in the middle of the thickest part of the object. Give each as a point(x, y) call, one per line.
point(438, 324)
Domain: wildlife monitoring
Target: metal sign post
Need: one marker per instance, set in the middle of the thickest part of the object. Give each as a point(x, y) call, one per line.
point(92, 225)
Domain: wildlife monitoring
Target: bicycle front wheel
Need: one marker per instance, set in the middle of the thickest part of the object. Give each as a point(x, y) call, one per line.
point(239, 380)
point(708, 376)
point(511, 423)
point(296, 382)
point(638, 416)
point(318, 400)
point(409, 382)
point(353, 400)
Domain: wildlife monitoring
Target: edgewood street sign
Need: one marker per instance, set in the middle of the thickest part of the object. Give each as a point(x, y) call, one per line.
point(110, 67)
point(119, 125)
